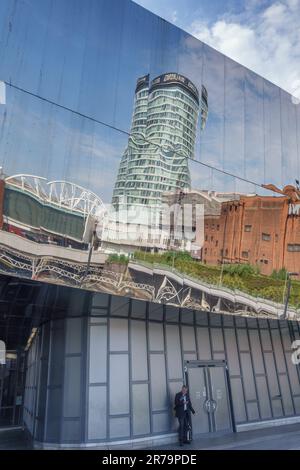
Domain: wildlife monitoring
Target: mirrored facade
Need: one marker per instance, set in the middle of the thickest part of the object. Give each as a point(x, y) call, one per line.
point(149, 229)
point(126, 146)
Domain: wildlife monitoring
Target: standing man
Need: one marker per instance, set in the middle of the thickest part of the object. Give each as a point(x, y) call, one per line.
point(183, 408)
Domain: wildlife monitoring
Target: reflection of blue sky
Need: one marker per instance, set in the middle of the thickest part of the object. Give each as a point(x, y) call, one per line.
point(57, 144)
point(87, 55)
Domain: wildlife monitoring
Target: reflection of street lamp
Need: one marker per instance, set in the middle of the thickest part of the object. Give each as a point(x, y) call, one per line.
point(178, 202)
point(288, 292)
point(91, 245)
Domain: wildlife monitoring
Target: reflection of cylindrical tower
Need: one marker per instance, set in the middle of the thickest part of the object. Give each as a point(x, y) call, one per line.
point(139, 117)
point(162, 138)
point(173, 108)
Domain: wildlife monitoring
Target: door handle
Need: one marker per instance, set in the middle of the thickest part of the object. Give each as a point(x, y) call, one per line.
point(210, 406)
point(207, 406)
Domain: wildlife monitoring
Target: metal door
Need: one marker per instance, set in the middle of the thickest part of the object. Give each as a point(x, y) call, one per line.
point(197, 382)
point(210, 396)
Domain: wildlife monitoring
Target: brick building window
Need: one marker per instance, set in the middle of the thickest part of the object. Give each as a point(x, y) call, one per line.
point(293, 247)
point(217, 242)
point(245, 254)
point(248, 228)
point(218, 227)
point(266, 237)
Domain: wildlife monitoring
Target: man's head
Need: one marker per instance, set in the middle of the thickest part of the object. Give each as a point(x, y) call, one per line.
point(184, 389)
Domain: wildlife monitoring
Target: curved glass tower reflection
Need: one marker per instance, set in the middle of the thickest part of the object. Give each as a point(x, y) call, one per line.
point(162, 139)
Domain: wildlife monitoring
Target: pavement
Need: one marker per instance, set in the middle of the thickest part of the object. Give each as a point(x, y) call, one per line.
point(14, 439)
point(273, 438)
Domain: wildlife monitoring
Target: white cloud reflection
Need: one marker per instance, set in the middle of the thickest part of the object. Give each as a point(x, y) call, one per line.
point(265, 39)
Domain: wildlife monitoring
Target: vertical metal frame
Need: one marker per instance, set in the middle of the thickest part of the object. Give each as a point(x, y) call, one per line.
point(40, 337)
point(149, 367)
point(275, 363)
point(253, 371)
point(84, 375)
point(232, 416)
point(286, 368)
point(209, 393)
point(240, 365)
point(63, 379)
point(265, 369)
point(129, 332)
point(107, 370)
point(166, 361)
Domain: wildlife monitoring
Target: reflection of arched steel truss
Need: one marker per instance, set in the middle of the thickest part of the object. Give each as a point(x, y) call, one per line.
point(75, 197)
point(167, 292)
point(36, 185)
point(63, 194)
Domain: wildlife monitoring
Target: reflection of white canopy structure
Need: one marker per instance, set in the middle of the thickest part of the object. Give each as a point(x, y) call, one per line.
point(61, 193)
point(64, 197)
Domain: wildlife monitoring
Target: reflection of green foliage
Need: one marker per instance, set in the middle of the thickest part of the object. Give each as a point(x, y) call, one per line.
point(179, 256)
point(234, 282)
point(119, 259)
point(272, 293)
point(240, 269)
point(243, 277)
point(281, 274)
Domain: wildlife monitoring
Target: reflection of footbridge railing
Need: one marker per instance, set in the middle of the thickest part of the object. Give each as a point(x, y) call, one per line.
point(186, 291)
point(96, 276)
point(161, 284)
point(37, 266)
point(11, 258)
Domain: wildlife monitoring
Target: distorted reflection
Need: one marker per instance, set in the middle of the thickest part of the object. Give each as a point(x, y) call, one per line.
point(146, 164)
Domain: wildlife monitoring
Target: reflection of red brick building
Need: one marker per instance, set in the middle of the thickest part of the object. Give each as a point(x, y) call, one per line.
point(254, 229)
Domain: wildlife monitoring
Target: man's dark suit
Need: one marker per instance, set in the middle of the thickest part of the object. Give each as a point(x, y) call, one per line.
point(182, 414)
